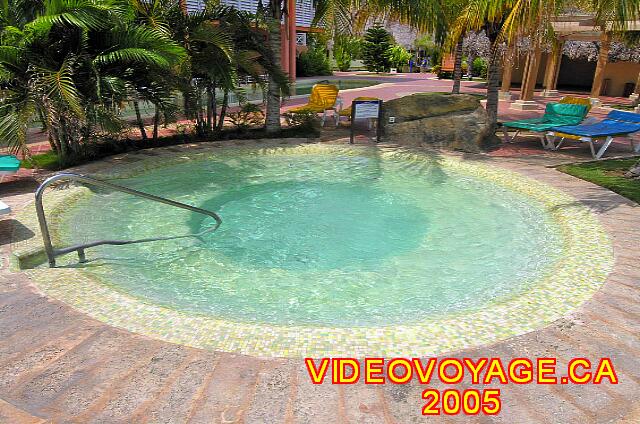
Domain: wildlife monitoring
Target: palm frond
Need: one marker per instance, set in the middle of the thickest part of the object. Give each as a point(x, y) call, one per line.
point(139, 45)
point(59, 87)
point(616, 15)
point(84, 14)
point(214, 36)
point(16, 112)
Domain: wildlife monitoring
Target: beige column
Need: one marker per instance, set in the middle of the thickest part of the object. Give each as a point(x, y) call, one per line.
point(552, 69)
point(636, 91)
point(284, 46)
point(529, 82)
point(292, 39)
point(525, 72)
point(532, 74)
point(603, 58)
point(507, 68)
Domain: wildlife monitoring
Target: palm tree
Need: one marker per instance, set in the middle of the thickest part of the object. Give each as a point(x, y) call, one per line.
point(66, 61)
point(349, 17)
point(503, 21)
point(276, 10)
point(457, 67)
point(222, 44)
point(451, 10)
point(507, 20)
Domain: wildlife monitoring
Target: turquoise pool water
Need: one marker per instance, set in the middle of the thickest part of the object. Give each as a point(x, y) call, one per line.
point(343, 237)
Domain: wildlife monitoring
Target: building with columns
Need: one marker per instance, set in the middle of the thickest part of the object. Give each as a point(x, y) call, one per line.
point(550, 69)
point(293, 31)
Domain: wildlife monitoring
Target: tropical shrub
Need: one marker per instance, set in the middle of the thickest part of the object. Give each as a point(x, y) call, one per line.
point(343, 59)
point(345, 50)
point(313, 62)
point(249, 115)
point(399, 56)
point(480, 67)
point(304, 120)
point(375, 49)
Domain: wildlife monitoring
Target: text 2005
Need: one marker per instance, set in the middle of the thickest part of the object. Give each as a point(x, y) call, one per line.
point(468, 402)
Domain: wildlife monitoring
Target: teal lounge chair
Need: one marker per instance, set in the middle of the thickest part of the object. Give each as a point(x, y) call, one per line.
point(9, 164)
point(555, 114)
point(617, 123)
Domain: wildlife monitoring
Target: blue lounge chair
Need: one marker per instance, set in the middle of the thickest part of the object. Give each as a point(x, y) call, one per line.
point(554, 114)
point(617, 123)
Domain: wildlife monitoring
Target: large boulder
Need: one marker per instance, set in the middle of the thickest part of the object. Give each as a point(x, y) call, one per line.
point(454, 121)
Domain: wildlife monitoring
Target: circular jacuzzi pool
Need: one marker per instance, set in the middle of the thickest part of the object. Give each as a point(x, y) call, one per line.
point(331, 250)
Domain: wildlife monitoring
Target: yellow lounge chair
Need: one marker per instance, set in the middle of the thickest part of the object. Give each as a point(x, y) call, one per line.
point(577, 101)
point(574, 101)
point(324, 97)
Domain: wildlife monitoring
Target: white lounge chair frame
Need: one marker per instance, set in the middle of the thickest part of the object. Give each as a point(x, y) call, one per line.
point(4, 208)
point(337, 107)
point(507, 139)
point(552, 137)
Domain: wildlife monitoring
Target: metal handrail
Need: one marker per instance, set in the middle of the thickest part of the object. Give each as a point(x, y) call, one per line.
point(46, 236)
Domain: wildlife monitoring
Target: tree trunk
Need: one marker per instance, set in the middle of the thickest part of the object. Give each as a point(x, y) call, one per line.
point(60, 134)
point(210, 105)
point(43, 121)
point(223, 110)
point(457, 67)
point(214, 107)
point(272, 123)
point(603, 59)
point(493, 80)
point(636, 92)
point(156, 121)
point(54, 147)
point(139, 121)
point(200, 118)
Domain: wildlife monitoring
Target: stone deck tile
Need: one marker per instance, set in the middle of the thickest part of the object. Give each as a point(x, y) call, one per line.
point(363, 404)
point(13, 415)
point(18, 370)
point(273, 394)
point(176, 400)
point(41, 390)
point(230, 390)
point(89, 380)
point(316, 403)
point(120, 402)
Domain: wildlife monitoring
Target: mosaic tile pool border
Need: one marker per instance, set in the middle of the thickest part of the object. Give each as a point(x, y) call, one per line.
point(586, 260)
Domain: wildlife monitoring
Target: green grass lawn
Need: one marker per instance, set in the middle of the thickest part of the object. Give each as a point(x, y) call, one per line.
point(608, 174)
point(47, 160)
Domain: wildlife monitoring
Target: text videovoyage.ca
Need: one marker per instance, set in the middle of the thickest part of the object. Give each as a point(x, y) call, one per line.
point(492, 374)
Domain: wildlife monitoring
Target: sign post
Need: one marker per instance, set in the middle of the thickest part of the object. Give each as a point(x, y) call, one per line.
point(366, 109)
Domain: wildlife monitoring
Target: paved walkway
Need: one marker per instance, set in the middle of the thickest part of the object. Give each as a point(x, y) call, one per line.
point(58, 365)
